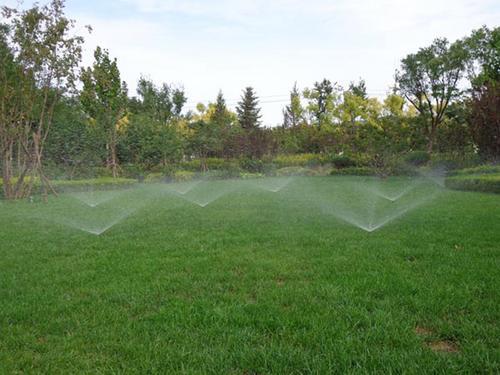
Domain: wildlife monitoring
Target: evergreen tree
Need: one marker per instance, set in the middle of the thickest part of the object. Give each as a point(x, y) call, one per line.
point(293, 114)
point(220, 112)
point(248, 111)
point(359, 89)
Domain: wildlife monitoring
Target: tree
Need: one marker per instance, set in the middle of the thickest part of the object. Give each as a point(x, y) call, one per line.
point(248, 110)
point(178, 99)
point(104, 97)
point(322, 101)
point(293, 114)
point(483, 46)
point(485, 120)
point(156, 101)
point(429, 81)
point(39, 56)
point(358, 89)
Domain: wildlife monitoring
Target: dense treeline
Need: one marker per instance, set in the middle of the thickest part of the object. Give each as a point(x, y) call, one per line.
point(446, 99)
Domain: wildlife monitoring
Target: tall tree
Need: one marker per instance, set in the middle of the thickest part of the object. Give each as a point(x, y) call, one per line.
point(429, 80)
point(293, 114)
point(178, 99)
point(156, 101)
point(359, 89)
point(483, 46)
point(39, 55)
point(104, 97)
point(220, 113)
point(322, 100)
point(248, 110)
point(485, 120)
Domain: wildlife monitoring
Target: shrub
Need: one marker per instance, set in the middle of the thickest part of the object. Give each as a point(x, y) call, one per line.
point(483, 169)
point(182, 176)
point(417, 158)
point(292, 171)
point(155, 177)
point(298, 160)
point(342, 161)
point(102, 183)
point(252, 165)
point(354, 171)
point(246, 175)
point(132, 171)
point(452, 161)
point(489, 183)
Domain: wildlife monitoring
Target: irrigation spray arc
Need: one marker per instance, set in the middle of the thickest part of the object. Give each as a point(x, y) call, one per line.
point(369, 203)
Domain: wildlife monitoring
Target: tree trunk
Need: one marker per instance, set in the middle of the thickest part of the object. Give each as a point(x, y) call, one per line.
point(432, 138)
point(7, 173)
point(112, 149)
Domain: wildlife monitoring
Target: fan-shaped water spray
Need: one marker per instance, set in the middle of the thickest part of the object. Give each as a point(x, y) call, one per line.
point(272, 184)
point(183, 188)
point(94, 198)
point(206, 192)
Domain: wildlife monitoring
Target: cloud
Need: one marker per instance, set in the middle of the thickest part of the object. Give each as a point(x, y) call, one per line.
point(270, 44)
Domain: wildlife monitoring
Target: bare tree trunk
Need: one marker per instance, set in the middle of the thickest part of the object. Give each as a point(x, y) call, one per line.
point(432, 138)
point(7, 173)
point(113, 160)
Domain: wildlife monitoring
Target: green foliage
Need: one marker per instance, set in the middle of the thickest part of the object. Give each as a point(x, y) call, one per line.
point(248, 110)
point(149, 142)
point(195, 165)
point(292, 171)
point(484, 56)
point(429, 80)
point(101, 183)
point(482, 169)
point(417, 158)
point(298, 160)
point(484, 119)
point(252, 165)
point(452, 161)
point(342, 161)
point(294, 113)
point(489, 182)
point(104, 98)
point(183, 176)
point(354, 171)
point(322, 100)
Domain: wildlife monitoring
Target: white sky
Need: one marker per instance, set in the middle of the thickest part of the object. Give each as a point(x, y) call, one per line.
point(207, 45)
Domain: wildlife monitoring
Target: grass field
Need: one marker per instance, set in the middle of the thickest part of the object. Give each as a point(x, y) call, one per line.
point(304, 275)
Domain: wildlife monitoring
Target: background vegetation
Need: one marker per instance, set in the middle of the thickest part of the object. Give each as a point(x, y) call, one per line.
point(61, 121)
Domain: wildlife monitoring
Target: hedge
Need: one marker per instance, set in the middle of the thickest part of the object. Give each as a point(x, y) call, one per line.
point(102, 183)
point(483, 169)
point(488, 183)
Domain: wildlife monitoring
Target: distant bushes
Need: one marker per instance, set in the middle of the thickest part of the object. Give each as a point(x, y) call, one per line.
point(453, 161)
point(342, 161)
point(482, 169)
point(488, 183)
point(298, 160)
point(417, 158)
point(306, 164)
point(102, 183)
point(354, 171)
point(485, 178)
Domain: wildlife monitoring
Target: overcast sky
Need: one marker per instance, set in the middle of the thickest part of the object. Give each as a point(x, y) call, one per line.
point(207, 45)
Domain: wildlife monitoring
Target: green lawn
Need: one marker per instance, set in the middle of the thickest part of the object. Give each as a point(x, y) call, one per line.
point(255, 281)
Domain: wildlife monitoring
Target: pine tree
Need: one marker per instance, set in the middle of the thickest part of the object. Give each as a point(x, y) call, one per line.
point(220, 112)
point(247, 110)
point(293, 114)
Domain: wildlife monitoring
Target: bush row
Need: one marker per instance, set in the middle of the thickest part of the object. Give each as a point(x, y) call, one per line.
point(102, 183)
point(489, 183)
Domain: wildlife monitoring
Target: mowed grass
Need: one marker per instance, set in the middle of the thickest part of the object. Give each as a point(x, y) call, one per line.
point(255, 282)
